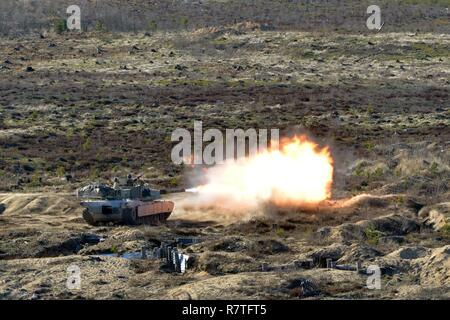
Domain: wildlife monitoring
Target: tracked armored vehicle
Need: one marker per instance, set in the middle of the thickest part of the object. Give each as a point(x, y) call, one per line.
point(126, 203)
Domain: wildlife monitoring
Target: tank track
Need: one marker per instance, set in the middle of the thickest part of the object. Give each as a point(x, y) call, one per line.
point(129, 217)
point(88, 218)
point(154, 219)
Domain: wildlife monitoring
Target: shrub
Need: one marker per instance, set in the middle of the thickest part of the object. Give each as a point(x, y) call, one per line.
point(36, 179)
point(87, 144)
point(114, 249)
point(369, 145)
point(60, 25)
point(375, 174)
point(60, 171)
point(34, 115)
point(100, 27)
point(152, 25)
point(184, 22)
point(280, 232)
point(434, 169)
point(445, 230)
point(174, 181)
point(372, 235)
point(94, 175)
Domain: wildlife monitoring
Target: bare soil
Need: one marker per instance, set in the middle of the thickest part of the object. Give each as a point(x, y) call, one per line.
point(93, 106)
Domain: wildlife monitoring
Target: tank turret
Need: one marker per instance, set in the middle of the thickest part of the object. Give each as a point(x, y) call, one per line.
point(127, 202)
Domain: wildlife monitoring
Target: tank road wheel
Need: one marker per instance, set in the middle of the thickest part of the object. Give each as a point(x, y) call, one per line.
point(154, 219)
point(159, 218)
point(167, 215)
point(148, 220)
point(129, 216)
point(151, 220)
point(88, 218)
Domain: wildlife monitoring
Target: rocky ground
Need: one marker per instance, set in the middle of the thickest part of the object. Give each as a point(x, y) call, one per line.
point(283, 256)
point(76, 108)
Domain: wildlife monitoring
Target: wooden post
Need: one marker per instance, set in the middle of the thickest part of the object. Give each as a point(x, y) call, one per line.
point(176, 260)
point(169, 254)
point(329, 263)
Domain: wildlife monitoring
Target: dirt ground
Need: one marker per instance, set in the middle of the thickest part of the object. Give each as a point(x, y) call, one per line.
point(76, 108)
point(262, 257)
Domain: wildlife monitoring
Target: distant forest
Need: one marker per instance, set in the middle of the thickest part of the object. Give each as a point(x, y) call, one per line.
point(24, 16)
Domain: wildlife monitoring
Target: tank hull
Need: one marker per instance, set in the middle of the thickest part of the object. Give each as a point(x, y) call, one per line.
point(129, 212)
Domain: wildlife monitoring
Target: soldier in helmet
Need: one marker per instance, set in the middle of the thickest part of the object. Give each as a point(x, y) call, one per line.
point(130, 180)
point(116, 183)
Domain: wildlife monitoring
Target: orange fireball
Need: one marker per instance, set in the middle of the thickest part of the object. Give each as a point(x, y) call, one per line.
point(298, 173)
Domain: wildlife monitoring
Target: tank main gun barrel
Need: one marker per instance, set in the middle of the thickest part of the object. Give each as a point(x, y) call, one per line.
point(168, 191)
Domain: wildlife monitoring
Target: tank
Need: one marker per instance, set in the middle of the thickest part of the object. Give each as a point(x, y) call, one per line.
point(126, 202)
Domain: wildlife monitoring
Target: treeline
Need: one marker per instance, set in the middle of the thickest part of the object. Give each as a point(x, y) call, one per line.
point(25, 16)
